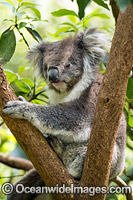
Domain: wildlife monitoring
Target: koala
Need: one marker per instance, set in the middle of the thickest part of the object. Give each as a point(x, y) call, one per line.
point(70, 69)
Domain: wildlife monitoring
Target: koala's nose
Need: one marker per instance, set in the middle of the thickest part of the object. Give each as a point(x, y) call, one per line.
point(53, 75)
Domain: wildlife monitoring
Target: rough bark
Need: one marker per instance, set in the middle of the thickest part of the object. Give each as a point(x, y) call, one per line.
point(34, 144)
point(19, 163)
point(109, 106)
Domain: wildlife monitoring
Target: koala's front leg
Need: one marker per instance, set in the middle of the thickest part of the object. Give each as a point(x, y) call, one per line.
point(62, 120)
point(17, 109)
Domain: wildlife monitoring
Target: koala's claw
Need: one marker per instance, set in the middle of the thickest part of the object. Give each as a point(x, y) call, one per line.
point(14, 109)
point(21, 99)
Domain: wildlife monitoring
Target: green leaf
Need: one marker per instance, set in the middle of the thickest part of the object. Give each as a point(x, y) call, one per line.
point(8, 5)
point(130, 120)
point(28, 82)
point(7, 20)
point(101, 15)
point(36, 11)
point(82, 5)
point(62, 30)
point(101, 3)
point(19, 1)
point(72, 25)
point(108, 29)
point(130, 88)
point(21, 69)
point(7, 45)
point(63, 12)
point(11, 76)
point(28, 4)
point(123, 4)
point(34, 34)
point(22, 24)
point(22, 86)
point(11, 2)
point(20, 14)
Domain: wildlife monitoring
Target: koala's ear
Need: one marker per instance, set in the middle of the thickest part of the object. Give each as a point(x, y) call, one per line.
point(36, 56)
point(93, 43)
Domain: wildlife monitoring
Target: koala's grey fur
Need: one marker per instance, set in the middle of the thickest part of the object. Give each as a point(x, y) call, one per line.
point(70, 70)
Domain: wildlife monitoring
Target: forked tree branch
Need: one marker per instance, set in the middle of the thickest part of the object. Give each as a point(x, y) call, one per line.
point(109, 106)
point(34, 144)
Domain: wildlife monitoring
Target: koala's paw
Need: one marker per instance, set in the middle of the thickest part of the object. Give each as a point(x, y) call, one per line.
point(15, 109)
point(22, 99)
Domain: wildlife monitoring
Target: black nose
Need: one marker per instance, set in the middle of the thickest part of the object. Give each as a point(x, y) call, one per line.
point(53, 75)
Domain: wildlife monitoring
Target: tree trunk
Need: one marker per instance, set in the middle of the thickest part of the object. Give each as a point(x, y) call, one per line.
point(34, 144)
point(109, 106)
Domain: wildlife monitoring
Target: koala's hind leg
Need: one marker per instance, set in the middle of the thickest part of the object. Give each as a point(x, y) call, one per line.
point(31, 179)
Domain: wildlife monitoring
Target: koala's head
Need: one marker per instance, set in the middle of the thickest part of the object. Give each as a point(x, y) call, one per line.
point(64, 63)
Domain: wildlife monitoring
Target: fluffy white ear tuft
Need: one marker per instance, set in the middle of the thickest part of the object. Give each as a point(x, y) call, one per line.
point(36, 56)
point(94, 43)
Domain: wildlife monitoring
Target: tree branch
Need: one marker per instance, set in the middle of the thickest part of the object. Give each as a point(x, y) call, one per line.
point(34, 144)
point(121, 183)
point(109, 106)
point(19, 163)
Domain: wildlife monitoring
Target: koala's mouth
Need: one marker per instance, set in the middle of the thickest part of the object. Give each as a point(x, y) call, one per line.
point(58, 84)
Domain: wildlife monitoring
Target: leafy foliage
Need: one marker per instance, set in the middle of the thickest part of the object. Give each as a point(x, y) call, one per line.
point(82, 5)
point(7, 45)
point(8, 38)
point(102, 3)
point(63, 12)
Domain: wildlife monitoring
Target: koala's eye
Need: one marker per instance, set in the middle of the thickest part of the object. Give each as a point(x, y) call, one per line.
point(67, 66)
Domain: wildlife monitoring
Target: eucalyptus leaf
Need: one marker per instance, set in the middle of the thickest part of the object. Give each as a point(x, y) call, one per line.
point(63, 12)
point(24, 87)
point(28, 82)
point(22, 24)
point(7, 20)
point(19, 1)
point(36, 11)
point(7, 45)
point(62, 30)
point(130, 88)
point(34, 34)
point(10, 2)
point(101, 3)
point(70, 24)
point(11, 76)
point(81, 6)
point(29, 4)
point(20, 14)
point(101, 15)
point(8, 5)
point(130, 121)
point(21, 69)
